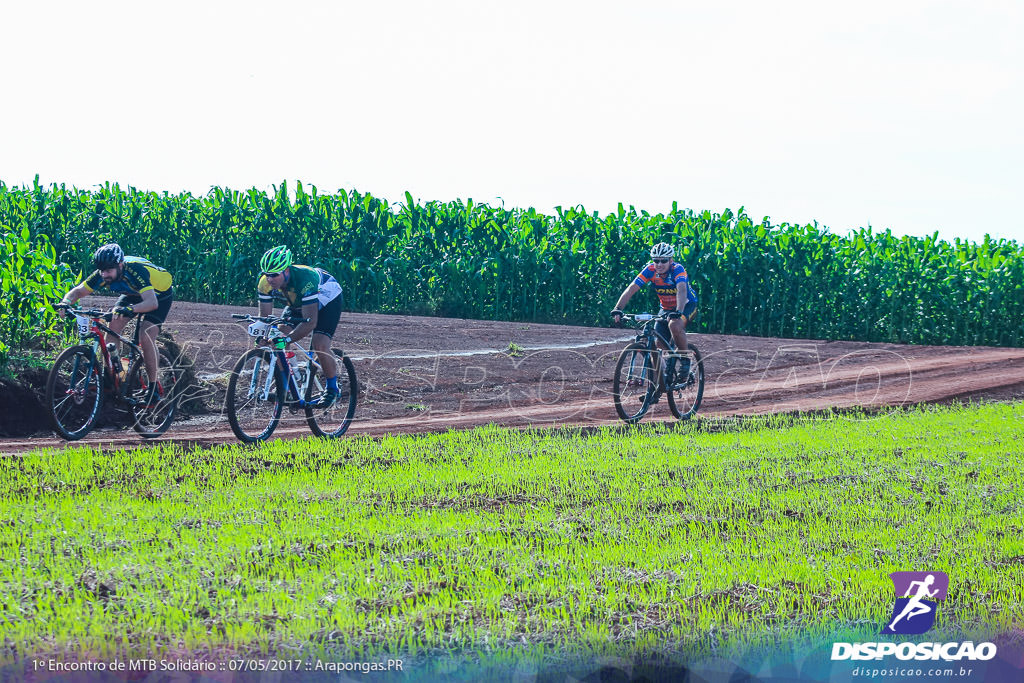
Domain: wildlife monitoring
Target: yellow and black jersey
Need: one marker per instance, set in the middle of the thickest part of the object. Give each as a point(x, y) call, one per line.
point(138, 276)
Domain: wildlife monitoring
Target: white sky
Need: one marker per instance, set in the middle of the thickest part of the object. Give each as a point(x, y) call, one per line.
point(902, 114)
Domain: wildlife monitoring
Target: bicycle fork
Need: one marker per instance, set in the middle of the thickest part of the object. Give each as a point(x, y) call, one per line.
point(82, 378)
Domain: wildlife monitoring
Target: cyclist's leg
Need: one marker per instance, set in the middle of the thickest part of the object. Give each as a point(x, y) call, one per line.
point(323, 334)
point(118, 322)
point(675, 329)
point(678, 365)
point(322, 347)
point(149, 330)
point(662, 334)
point(148, 333)
point(678, 327)
point(662, 340)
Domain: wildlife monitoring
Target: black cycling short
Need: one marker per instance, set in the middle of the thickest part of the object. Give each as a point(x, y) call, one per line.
point(326, 318)
point(661, 327)
point(163, 301)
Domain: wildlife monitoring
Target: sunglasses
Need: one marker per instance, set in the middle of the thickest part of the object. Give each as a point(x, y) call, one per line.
point(661, 260)
point(273, 274)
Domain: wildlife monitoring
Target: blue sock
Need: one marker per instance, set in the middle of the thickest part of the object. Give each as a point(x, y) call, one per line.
point(332, 384)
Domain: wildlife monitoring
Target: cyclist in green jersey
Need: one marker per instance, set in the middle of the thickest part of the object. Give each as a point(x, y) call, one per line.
point(145, 290)
point(309, 293)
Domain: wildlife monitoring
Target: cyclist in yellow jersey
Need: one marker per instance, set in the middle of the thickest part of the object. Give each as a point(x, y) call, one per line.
point(311, 293)
point(145, 290)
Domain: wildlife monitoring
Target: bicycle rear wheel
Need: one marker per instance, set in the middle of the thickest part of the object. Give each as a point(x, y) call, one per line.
point(686, 393)
point(335, 420)
point(634, 382)
point(151, 421)
point(74, 392)
point(255, 398)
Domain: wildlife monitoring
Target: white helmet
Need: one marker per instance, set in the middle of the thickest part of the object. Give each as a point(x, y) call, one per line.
point(662, 250)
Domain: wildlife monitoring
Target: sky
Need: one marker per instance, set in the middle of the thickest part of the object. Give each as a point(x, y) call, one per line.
point(902, 115)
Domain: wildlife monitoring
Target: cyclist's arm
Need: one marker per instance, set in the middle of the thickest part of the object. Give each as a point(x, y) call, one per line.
point(265, 296)
point(75, 293)
point(627, 294)
point(681, 297)
point(148, 303)
point(310, 311)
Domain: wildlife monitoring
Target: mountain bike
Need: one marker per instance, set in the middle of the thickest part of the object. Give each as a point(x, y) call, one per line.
point(641, 377)
point(85, 374)
point(266, 380)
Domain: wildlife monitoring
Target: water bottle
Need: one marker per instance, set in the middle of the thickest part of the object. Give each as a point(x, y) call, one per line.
point(299, 370)
point(115, 357)
point(293, 363)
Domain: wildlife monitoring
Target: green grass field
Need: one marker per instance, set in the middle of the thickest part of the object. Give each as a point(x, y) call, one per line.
point(528, 544)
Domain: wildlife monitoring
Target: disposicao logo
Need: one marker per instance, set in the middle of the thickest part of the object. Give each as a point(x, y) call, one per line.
point(913, 613)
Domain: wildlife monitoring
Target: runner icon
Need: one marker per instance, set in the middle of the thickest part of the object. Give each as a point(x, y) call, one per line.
point(915, 606)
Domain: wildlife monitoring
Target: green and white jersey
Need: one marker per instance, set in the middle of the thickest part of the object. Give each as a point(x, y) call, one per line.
point(305, 285)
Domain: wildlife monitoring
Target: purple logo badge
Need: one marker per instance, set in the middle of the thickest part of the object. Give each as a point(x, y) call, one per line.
point(917, 594)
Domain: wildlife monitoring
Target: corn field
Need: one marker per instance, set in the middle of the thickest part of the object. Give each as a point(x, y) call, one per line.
point(31, 279)
point(472, 260)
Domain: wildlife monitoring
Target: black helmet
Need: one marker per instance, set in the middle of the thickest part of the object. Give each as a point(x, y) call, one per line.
point(108, 256)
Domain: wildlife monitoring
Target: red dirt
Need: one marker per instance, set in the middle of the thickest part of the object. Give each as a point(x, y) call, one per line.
point(547, 386)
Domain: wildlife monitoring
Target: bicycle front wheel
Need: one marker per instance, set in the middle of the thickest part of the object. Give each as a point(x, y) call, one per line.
point(334, 420)
point(686, 393)
point(152, 418)
point(255, 396)
point(634, 383)
point(74, 392)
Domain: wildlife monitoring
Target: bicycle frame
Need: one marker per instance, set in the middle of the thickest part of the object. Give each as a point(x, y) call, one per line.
point(280, 364)
point(295, 388)
point(645, 372)
point(647, 336)
point(265, 380)
point(91, 330)
point(86, 371)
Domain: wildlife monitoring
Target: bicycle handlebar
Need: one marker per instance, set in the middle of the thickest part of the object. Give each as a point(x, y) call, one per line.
point(644, 317)
point(86, 312)
point(269, 319)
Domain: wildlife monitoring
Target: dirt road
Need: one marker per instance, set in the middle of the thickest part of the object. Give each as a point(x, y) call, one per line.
point(429, 374)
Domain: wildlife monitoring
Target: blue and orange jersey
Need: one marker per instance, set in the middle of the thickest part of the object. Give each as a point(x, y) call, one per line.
point(665, 287)
point(139, 275)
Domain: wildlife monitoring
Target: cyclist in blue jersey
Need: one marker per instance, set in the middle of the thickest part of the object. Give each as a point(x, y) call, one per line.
point(676, 296)
point(311, 293)
point(145, 290)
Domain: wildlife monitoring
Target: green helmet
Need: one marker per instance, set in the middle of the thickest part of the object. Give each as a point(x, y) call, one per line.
point(276, 260)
